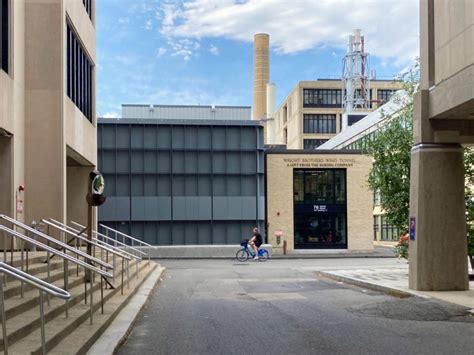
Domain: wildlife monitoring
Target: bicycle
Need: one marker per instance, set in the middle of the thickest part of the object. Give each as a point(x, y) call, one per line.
point(246, 253)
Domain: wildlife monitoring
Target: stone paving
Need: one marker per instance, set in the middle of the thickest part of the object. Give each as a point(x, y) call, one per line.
point(396, 279)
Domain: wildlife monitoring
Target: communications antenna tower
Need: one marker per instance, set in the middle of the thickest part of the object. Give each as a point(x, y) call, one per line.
point(355, 76)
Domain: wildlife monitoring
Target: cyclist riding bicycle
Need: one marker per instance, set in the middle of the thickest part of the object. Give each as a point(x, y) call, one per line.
point(256, 241)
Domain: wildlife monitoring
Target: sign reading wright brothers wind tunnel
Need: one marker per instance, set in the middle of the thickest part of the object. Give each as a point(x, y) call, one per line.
point(319, 162)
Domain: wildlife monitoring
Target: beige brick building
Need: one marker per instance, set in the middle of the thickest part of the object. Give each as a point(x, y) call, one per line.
point(312, 113)
point(47, 107)
point(318, 200)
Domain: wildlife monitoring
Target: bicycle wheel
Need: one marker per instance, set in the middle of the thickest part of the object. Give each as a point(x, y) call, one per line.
point(263, 255)
point(242, 255)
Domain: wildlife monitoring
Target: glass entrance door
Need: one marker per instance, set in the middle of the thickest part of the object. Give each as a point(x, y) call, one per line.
point(320, 209)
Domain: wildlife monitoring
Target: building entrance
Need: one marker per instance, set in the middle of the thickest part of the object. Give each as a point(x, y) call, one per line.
point(320, 208)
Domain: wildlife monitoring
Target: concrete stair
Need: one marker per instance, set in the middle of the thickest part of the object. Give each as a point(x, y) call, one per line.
point(72, 334)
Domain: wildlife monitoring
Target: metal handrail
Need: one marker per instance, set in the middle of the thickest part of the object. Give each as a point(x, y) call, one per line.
point(125, 258)
point(34, 281)
point(55, 251)
point(41, 285)
point(126, 236)
point(130, 238)
point(111, 239)
point(57, 225)
point(66, 258)
point(114, 246)
point(78, 232)
point(56, 242)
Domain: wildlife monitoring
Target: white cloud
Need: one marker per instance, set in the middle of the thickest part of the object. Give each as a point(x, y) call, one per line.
point(184, 47)
point(149, 25)
point(161, 52)
point(213, 49)
point(123, 20)
point(390, 26)
point(111, 114)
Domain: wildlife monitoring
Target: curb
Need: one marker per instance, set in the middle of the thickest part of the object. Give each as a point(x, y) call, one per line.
point(384, 289)
point(118, 331)
point(280, 257)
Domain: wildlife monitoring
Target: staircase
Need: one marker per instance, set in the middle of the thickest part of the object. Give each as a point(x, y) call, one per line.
point(74, 333)
point(70, 326)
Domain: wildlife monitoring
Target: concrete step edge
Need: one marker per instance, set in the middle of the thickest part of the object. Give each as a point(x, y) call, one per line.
point(77, 292)
point(52, 339)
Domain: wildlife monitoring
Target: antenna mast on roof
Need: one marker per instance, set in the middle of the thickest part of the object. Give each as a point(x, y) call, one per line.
point(355, 71)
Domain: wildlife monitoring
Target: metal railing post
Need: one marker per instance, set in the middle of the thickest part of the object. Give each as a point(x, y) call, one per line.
point(91, 290)
point(102, 295)
point(128, 274)
point(22, 268)
point(48, 275)
point(66, 284)
point(121, 287)
point(43, 337)
point(4, 318)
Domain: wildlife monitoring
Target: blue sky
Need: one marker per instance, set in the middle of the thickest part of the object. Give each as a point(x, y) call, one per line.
point(200, 51)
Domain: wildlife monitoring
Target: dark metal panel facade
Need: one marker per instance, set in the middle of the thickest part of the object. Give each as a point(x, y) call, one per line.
point(173, 182)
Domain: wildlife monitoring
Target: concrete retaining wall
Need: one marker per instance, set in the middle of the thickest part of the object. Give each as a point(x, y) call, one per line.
point(199, 251)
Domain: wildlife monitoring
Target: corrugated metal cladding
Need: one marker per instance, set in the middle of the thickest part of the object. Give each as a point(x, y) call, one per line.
point(239, 113)
point(174, 182)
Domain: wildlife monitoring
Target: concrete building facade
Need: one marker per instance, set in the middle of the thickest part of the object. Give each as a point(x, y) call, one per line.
point(47, 104)
point(182, 182)
point(318, 200)
point(443, 114)
point(312, 113)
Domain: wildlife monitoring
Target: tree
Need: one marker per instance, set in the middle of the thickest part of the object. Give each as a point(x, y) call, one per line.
point(390, 174)
point(469, 194)
point(390, 149)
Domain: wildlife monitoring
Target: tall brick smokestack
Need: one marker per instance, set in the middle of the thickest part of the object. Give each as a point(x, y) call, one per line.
point(261, 75)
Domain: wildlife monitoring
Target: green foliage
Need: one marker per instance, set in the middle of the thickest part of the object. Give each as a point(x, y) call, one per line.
point(390, 175)
point(390, 149)
point(469, 194)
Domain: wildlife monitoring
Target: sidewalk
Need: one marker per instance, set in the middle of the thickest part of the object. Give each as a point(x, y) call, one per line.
point(395, 282)
point(378, 252)
point(228, 252)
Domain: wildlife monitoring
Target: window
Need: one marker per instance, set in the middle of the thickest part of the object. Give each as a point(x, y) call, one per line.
point(384, 95)
point(376, 227)
point(88, 6)
point(389, 232)
point(319, 123)
point(313, 143)
point(322, 98)
point(319, 186)
point(4, 35)
point(79, 75)
point(351, 119)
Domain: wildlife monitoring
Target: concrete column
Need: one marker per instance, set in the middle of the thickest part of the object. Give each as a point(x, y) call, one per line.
point(438, 253)
point(45, 148)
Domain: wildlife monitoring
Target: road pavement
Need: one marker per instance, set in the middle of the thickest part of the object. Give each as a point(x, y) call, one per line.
point(282, 307)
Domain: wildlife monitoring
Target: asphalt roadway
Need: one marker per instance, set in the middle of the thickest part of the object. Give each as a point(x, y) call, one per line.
point(281, 307)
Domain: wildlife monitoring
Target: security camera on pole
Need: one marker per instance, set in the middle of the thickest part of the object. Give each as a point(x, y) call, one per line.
point(95, 197)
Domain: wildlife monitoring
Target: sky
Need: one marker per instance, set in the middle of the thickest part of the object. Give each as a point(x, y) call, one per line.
point(200, 52)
